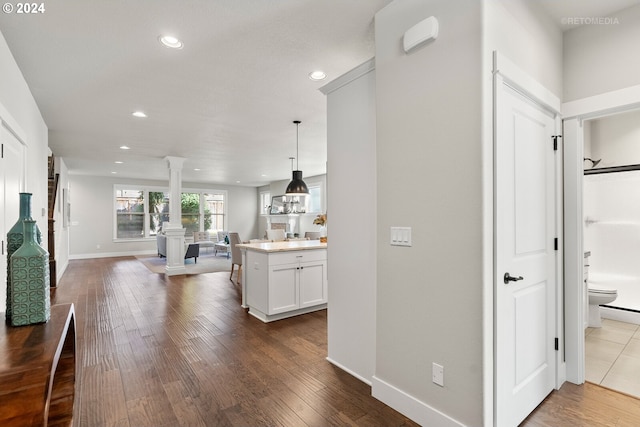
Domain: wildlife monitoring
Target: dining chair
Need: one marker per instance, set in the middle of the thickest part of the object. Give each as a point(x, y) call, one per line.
point(236, 254)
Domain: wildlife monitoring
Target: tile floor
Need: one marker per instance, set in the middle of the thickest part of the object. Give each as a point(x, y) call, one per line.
point(613, 356)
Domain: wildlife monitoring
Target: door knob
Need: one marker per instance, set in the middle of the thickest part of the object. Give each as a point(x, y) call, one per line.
point(509, 278)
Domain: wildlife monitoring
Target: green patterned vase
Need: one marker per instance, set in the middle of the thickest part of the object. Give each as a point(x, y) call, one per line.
point(29, 266)
point(15, 237)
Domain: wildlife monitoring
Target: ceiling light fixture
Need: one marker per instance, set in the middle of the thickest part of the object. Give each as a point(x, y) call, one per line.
point(140, 114)
point(124, 147)
point(297, 187)
point(317, 75)
point(118, 162)
point(196, 169)
point(172, 42)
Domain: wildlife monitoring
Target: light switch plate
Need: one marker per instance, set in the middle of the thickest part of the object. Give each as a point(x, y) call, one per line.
point(400, 236)
point(438, 374)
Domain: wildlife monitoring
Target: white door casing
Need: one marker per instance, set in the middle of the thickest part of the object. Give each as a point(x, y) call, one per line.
point(11, 184)
point(525, 215)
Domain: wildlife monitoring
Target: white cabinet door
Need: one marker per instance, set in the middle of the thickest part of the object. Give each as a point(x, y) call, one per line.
point(313, 284)
point(283, 289)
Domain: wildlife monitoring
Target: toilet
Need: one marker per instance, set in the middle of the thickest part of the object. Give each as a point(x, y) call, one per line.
point(599, 295)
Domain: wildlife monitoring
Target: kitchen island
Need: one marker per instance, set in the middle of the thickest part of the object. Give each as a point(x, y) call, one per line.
point(284, 279)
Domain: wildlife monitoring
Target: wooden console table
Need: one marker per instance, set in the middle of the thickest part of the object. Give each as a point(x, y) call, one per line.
point(38, 370)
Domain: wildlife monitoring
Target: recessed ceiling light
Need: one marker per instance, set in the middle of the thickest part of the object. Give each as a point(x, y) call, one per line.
point(263, 175)
point(124, 147)
point(172, 42)
point(317, 75)
point(237, 182)
point(118, 162)
point(196, 169)
point(114, 172)
point(140, 114)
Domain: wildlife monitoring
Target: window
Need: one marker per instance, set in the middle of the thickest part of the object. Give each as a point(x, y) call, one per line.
point(265, 203)
point(314, 199)
point(140, 212)
point(214, 212)
point(158, 211)
point(190, 212)
point(129, 214)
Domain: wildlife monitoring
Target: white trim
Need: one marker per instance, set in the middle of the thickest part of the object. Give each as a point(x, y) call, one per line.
point(349, 76)
point(411, 407)
point(60, 269)
point(573, 252)
point(349, 371)
point(620, 315)
point(112, 254)
point(603, 104)
point(561, 366)
point(506, 72)
point(516, 77)
point(12, 124)
point(179, 270)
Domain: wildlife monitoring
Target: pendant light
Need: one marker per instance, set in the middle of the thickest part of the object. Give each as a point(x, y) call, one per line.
point(297, 187)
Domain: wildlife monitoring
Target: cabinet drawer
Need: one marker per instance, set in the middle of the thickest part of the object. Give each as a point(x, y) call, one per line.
point(297, 256)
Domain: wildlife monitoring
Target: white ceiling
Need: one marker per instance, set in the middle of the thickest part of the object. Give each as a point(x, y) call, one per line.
point(225, 102)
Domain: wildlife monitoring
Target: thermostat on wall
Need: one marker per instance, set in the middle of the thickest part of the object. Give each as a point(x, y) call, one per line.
point(424, 31)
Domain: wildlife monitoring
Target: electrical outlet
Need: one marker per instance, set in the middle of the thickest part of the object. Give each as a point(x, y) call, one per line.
point(437, 372)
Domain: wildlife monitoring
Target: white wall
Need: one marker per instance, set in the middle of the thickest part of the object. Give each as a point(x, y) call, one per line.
point(612, 206)
point(614, 139)
point(612, 226)
point(61, 233)
point(20, 113)
point(602, 58)
point(19, 109)
point(524, 34)
point(351, 163)
point(429, 171)
point(92, 215)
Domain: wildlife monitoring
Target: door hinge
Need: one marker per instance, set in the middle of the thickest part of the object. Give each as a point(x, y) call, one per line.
point(2, 152)
point(555, 141)
point(555, 244)
point(557, 344)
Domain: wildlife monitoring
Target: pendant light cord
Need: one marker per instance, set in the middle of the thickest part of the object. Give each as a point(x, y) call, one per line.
point(297, 122)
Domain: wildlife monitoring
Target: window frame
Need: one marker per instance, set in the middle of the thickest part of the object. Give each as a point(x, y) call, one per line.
point(147, 223)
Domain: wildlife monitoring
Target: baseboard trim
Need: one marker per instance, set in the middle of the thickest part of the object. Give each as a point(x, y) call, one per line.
point(409, 406)
point(60, 271)
point(349, 371)
point(111, 254)
point(176, 270)
point(620, 315)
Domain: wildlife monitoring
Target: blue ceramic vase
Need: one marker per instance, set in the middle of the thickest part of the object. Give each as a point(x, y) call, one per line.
point(29, 266)
point(15, 238)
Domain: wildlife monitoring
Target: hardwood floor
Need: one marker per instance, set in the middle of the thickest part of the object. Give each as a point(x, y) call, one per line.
point(588, 405)
point(180, 351)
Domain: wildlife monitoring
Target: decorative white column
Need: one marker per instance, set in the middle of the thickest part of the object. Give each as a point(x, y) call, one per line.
point(173, 229)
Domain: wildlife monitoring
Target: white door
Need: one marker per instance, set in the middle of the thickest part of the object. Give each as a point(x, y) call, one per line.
point(525, 211)
point(11, 184)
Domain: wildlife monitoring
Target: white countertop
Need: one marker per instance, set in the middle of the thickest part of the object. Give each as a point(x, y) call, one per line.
point(296, 245)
